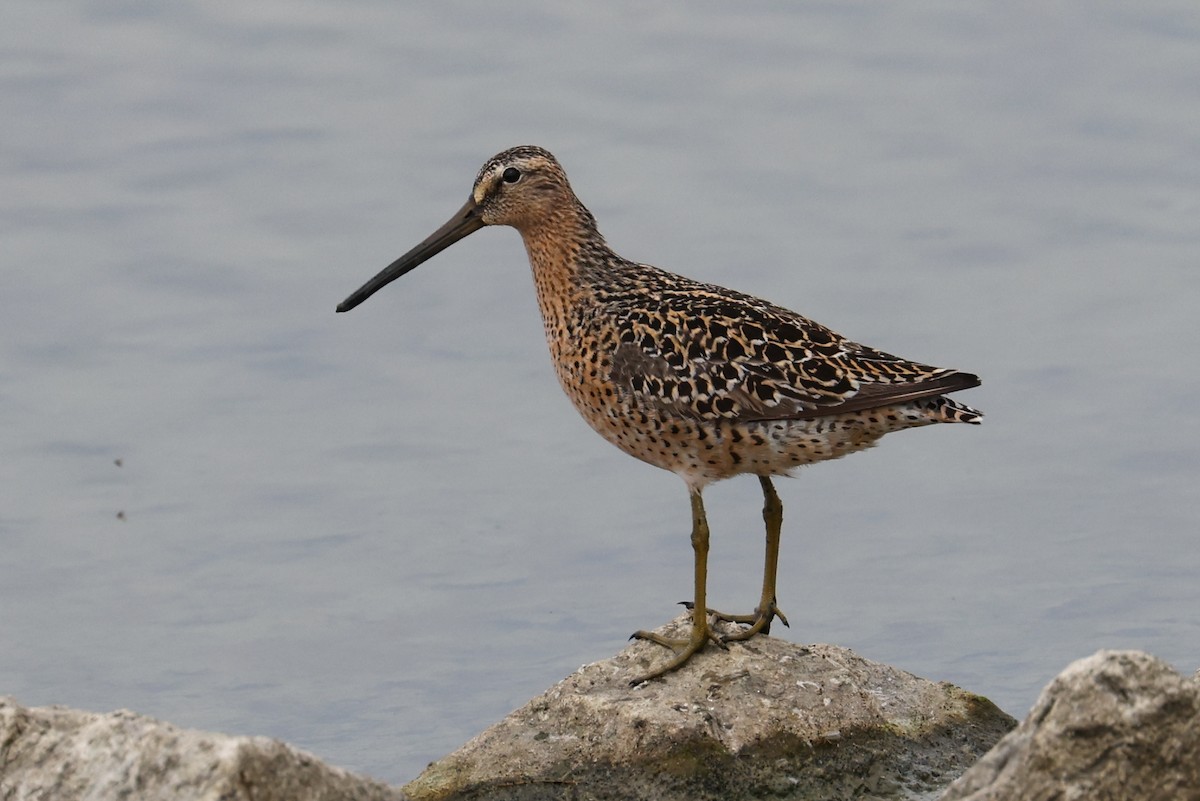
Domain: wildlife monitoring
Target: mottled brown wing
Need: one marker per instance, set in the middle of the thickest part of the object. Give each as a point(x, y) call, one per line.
point(735, 357)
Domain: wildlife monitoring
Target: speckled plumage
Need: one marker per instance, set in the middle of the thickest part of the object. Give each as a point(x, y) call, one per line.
point(695, 378)
point(691, 377)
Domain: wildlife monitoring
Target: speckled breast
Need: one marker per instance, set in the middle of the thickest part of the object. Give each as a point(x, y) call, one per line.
point(706, 450)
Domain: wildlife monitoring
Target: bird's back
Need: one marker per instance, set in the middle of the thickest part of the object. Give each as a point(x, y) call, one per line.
point(709, 382)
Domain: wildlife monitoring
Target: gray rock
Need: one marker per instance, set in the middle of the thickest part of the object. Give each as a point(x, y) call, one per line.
point(765, 719)
point(58, 754)
point(1116, 725)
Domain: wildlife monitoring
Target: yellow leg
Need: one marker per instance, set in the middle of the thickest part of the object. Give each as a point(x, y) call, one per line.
point(760, 620)
point(701, 633)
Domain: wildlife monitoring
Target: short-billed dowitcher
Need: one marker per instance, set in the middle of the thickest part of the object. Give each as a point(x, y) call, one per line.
point(694, 378)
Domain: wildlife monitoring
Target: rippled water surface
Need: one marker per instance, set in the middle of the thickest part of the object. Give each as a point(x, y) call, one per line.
point(373, 534)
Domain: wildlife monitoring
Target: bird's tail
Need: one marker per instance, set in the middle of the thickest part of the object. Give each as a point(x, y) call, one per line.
point(945, 410)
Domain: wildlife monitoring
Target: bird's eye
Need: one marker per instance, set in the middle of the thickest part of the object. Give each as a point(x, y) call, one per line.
point(511, 175)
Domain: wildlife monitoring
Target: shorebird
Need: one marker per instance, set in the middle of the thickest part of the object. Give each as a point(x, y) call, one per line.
point(691, 377)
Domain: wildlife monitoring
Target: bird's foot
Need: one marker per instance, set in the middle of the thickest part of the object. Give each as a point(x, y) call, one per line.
point(684, 649)
point(759, 621)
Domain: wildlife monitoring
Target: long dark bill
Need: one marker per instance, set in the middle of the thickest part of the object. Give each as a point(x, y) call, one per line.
point(465, 221)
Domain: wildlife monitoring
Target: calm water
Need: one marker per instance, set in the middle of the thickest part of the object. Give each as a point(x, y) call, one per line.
point(374, 534)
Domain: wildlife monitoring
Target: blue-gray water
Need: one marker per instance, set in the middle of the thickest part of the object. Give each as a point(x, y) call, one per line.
point(373, 534)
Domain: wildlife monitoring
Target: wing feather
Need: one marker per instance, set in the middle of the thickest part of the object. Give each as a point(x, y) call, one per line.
point(719, 354)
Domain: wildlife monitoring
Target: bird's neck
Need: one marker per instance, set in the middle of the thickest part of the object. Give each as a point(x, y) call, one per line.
point(568, 257)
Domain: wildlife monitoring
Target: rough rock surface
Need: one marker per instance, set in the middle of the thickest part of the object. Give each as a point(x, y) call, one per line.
point(59, 754)
point(1116, 725)
point(765, 719)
